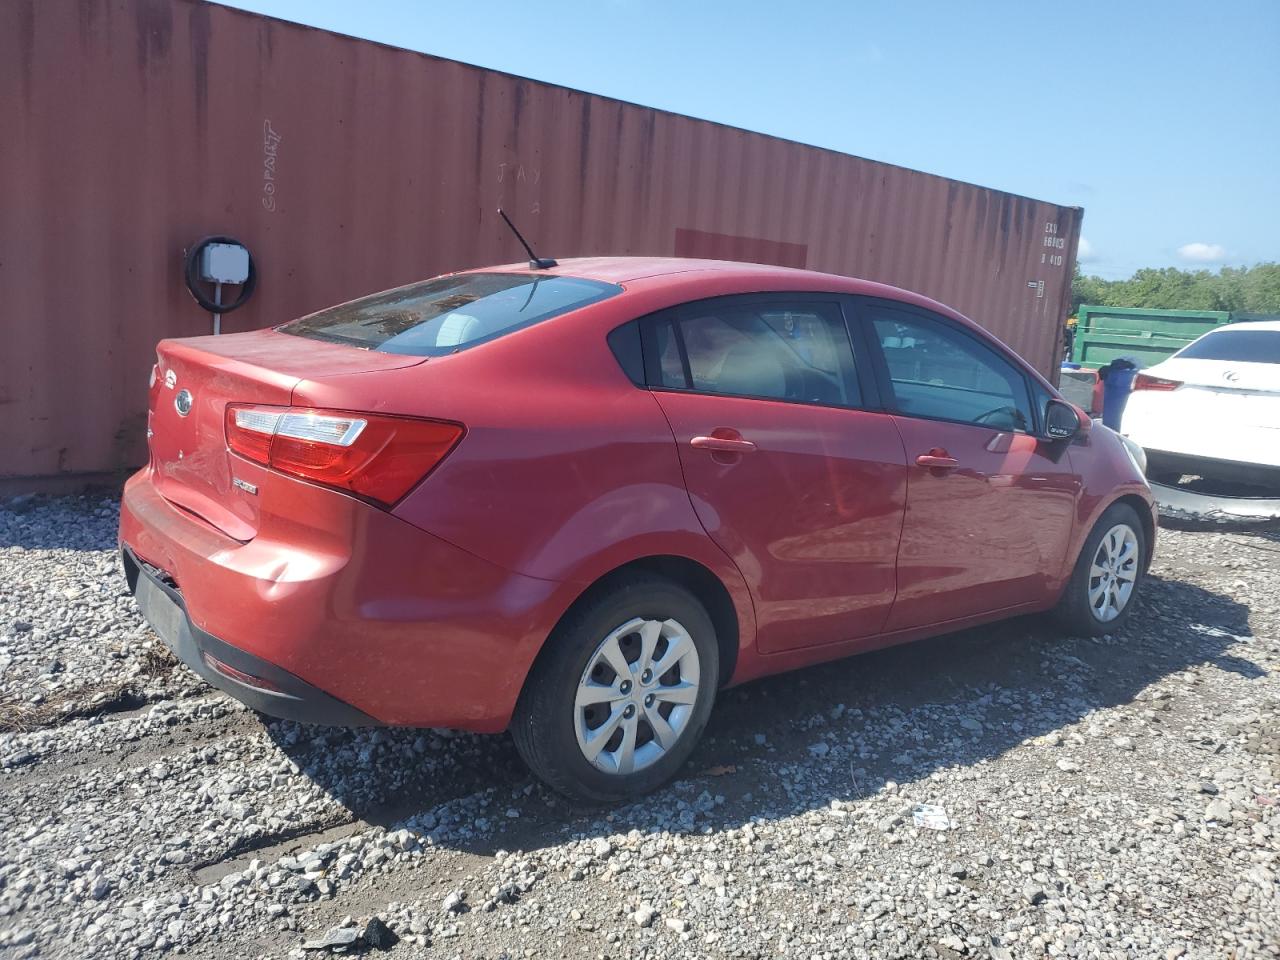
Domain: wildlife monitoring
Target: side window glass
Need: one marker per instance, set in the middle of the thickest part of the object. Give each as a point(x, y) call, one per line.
point(670, 372)
point(771, 350)
point(939, 372)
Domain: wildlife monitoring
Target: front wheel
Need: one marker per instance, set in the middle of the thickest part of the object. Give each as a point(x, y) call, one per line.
point(1104, 584)
point(618, 699)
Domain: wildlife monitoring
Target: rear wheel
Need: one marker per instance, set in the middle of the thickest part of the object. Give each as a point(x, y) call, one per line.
point(617, 701)
point(1104, 584)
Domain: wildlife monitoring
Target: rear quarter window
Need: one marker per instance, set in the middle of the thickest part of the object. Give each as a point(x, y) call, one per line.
point(625, 344)
point(451, 313)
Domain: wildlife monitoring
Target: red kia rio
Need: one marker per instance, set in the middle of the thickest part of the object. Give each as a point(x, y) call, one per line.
point(576, 501)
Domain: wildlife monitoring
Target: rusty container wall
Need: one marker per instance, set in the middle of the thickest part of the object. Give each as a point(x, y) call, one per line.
point(132, 128)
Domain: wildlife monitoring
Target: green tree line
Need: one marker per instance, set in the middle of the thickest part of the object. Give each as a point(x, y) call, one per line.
point(1240, 289)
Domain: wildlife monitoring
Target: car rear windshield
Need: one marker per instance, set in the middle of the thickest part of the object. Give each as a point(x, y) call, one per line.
point(1236, 346)
point(448, 314)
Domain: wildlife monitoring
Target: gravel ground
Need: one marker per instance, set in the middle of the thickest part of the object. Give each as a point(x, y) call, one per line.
point(1100, 798)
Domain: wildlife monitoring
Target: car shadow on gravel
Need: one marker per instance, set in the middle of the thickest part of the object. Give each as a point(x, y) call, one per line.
point(794, 742)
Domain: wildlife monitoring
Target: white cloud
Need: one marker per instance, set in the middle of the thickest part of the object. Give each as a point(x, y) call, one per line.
point(1202, 252)
point(1085, 252)
point(870, 54)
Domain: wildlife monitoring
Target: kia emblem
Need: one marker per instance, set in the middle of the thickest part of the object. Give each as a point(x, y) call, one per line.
point(182, 402)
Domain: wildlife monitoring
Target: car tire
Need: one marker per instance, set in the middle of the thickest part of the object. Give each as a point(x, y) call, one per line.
point(554, 726)
point(1088, 603)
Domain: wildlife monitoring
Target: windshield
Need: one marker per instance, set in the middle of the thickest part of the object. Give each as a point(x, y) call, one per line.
point(1236, 346)
point(449, 313)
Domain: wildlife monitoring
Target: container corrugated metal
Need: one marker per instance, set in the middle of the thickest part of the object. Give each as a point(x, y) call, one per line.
point(132, 128)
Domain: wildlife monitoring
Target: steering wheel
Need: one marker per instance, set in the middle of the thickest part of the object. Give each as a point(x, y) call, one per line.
point(1013, 413)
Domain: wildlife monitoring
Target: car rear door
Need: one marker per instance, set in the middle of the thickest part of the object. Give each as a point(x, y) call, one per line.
point(990, 506)
point(789, 466)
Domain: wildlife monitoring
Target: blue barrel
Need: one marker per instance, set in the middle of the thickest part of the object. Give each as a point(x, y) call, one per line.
point(1117, 383)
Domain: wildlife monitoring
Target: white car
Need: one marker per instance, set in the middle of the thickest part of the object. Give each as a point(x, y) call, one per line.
point(1213, 408)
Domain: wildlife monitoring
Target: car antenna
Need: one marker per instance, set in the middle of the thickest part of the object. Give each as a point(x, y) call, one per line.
point(535, 262)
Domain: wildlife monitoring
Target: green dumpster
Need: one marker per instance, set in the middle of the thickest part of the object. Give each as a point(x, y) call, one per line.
point(1147, 336)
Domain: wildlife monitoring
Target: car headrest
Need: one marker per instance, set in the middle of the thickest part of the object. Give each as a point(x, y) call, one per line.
point(753, 368)
point(456, 328)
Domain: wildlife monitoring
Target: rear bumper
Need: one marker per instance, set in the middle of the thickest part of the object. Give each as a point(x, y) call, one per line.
point(291, 699)
point(356, 609)
point(1212, 468)
point(1173, 425)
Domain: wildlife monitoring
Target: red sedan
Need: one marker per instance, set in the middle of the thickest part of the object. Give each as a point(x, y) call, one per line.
point(576, 501)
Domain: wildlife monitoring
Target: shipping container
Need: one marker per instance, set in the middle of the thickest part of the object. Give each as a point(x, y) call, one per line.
point(1142, 334)
point(134, 128)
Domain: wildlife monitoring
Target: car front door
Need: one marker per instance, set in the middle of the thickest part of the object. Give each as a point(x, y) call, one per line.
point(990, 506)
point(788, 470)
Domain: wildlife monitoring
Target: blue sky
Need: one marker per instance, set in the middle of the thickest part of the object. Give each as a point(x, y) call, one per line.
point(1161, 119)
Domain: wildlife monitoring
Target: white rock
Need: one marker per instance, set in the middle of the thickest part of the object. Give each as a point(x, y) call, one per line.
point(1218, 810)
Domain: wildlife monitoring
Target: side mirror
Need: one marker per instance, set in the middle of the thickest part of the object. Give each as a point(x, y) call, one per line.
point(1061, 421)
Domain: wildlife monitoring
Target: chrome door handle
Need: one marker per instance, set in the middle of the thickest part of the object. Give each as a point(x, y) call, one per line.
point(935, 462)
point(722, 444)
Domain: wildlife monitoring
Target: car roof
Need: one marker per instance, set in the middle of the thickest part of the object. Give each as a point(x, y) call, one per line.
point(624, 270)
point(734, 277)
point(744, 278)
point(1247, 325)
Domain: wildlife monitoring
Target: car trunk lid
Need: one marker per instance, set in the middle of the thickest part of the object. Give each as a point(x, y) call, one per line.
point(1246, 394)
point(195, 380)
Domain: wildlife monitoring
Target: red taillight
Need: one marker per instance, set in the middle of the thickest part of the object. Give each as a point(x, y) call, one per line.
point(375, 456)
point(1145, 381)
